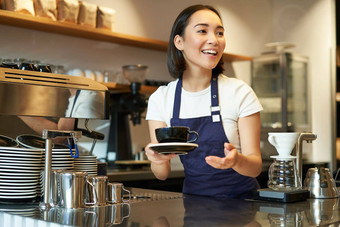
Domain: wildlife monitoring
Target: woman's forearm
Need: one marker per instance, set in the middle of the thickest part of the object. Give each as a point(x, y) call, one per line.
point(161, 171)
point(250, 165)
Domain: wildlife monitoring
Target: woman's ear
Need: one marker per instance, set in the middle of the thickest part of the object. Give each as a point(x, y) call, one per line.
point(178, 41)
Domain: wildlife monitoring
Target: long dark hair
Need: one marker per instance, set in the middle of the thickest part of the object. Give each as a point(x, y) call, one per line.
point(176, 61)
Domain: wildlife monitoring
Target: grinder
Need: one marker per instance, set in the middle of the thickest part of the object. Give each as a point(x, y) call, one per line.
point(126, 107)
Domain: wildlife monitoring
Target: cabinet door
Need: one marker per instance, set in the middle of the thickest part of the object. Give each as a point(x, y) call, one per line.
point(267, 84)
point(280, 82)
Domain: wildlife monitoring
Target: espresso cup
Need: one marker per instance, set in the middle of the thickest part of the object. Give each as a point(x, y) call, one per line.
point(175, 134)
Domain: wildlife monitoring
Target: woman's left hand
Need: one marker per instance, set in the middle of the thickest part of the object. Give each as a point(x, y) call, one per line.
point(226, 162)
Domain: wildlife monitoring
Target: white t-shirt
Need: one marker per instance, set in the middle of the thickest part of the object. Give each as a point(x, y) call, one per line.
point(88, 104)
point(236, 100)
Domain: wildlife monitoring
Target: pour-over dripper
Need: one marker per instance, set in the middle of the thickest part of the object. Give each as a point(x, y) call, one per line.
point(282, 172)
point(284, 143)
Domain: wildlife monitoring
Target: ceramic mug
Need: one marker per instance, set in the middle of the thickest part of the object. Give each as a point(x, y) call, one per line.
point(175, 134)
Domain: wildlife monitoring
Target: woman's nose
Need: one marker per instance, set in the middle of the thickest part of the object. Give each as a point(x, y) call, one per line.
point(212, 39)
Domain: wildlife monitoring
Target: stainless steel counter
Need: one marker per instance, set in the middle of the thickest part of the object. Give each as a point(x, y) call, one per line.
point(138, 174)
point(162, 209)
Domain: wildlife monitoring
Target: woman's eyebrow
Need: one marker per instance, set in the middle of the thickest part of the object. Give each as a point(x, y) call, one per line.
point(207, 25)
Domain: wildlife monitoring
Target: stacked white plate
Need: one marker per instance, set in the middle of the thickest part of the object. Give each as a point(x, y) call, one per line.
point(87, 164)
point(61, 159)
point(19, 173)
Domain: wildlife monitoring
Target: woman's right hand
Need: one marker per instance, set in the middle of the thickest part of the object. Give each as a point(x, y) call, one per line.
point(156, 157)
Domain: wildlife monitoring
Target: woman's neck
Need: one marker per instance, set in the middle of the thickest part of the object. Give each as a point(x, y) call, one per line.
point(196, 81)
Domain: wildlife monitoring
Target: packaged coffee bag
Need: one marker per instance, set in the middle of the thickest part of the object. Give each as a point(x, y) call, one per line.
point(20, 6)
point(46, 8)
point(87, 14)
point(68, 10)
point(105, 18)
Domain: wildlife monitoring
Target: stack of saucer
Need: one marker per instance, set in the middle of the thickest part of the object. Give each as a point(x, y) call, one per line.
point(61, 159)
point(19, 173)
point(87, 164)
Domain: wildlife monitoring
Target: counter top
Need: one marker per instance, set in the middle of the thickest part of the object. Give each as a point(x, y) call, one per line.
point(138, 174)
point(163, 209)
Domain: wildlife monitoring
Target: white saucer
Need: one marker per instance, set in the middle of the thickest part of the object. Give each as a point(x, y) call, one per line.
point(19, 184)
point(22, 155)
point(16, 162)
point(36, 166)
point(18, 196)
point(20, 149)
point(26, 174)
point(173, 148)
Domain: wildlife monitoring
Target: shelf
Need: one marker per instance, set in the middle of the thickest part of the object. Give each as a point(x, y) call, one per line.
point(75, 30)
point(124, 88)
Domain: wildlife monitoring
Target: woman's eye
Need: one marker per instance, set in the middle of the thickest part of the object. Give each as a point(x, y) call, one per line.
point(202, 31)
point(220, 33)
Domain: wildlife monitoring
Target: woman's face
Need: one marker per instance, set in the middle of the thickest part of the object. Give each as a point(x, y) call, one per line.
point(203, 42)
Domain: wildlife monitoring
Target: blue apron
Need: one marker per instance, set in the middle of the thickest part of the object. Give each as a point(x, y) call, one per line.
point(201, 178)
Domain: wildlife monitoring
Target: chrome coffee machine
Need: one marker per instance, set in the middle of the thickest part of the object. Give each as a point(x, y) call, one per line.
point(126, 107)
point(44, 94)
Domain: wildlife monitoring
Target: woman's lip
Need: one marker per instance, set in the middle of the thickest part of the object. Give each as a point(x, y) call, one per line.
point(210, 51)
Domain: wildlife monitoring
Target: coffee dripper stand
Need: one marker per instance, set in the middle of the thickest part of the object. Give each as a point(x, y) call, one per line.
point(294, 193)
point(49, 135)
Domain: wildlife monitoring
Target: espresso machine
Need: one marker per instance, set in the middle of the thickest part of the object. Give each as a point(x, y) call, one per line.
point(44, 94)
point(126, 107)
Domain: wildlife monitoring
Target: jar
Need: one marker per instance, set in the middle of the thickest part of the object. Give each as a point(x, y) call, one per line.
point(283, 175)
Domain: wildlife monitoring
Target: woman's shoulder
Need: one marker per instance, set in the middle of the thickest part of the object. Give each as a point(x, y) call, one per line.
point(232, 82)
point(165, 90)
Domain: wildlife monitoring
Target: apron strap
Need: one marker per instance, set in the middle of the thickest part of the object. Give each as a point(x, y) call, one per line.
point(74, 101)
point(215, 108)
point(177, 103)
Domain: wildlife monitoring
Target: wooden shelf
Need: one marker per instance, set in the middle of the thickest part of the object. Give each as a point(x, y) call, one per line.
point(124, 88)
point(48, 25)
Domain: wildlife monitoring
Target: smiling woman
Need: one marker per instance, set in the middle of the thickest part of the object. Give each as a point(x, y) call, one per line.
point(223, 111)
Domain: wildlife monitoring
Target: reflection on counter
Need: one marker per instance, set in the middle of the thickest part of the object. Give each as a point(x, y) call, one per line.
point(222, 212)
point(323, 211)
point(164, 209)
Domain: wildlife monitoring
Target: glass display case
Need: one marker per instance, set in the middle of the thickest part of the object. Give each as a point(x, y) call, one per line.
point(280, 81)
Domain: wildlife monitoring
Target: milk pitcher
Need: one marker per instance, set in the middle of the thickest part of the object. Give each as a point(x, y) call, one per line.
point(116, 193)
point(100, 185)
point(73, 191)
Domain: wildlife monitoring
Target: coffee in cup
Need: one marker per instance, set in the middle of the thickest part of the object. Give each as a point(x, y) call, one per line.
point(175, 134)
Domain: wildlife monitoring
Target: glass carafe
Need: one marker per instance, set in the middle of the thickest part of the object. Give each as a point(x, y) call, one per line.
point(283, 175)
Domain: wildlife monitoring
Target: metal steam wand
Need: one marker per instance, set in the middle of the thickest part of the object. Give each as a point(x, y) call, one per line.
point(49, 135)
